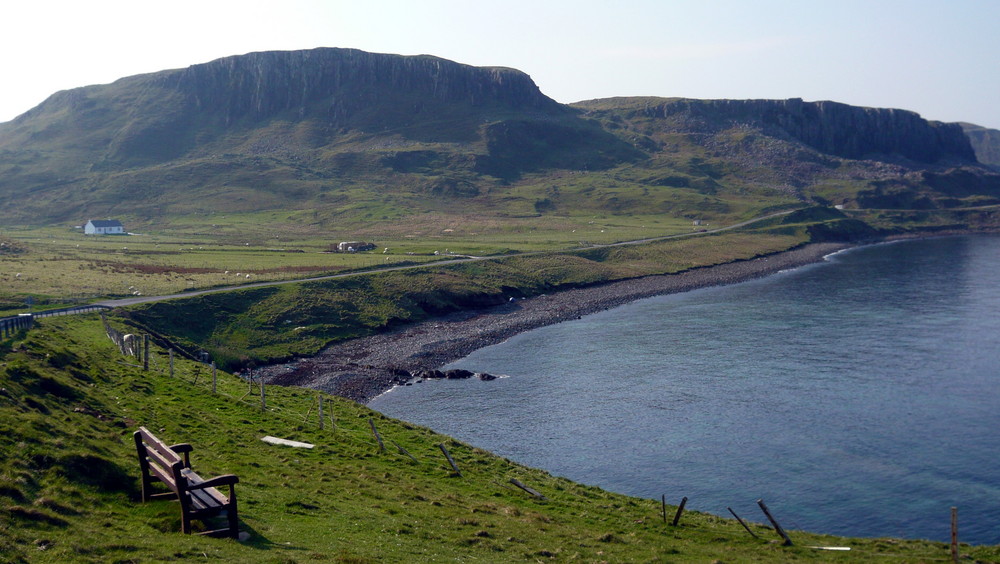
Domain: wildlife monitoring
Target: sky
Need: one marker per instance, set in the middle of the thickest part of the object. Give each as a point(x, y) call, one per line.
point(939, 58)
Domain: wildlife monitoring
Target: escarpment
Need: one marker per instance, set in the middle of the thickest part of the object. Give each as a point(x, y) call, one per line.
point(326, 129)
point(161, 116)
point(842, 130)
point(334, 84)
point(986, 143)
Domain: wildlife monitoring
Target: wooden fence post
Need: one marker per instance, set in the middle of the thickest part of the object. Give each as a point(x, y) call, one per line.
point(321, 412)
point(663, 505)
point(451, 460)
point(777, 527)
point(213, 376)
point(741, 522)
point(680, 509)
point(145, 351)
point(518, 483)
point(171, 363)
point(263, 402)
point(954, 535)
point(404, 451)
point(381, 445)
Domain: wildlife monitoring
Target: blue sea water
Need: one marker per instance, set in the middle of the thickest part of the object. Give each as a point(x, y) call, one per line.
point(858, 396)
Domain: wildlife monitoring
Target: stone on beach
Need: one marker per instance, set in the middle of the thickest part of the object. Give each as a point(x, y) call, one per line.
point(361, 369)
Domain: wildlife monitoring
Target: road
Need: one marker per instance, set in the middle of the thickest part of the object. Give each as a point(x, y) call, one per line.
point(147, 299)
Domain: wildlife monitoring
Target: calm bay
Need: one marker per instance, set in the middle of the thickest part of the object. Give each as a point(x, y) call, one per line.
point(857, 396)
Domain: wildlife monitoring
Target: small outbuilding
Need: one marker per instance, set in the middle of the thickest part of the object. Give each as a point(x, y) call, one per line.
point(354, 246)
point(104, 227)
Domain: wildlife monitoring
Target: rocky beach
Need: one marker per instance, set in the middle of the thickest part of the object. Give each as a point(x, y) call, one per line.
point(361, 369)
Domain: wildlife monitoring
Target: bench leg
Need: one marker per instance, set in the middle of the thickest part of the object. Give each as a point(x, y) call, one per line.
point(185, 522)
point(231, 514)
point(234, 525)
point(146, 486)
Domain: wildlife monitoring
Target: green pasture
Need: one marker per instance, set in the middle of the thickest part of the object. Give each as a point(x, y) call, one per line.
point(60, 264)
point(271, 324)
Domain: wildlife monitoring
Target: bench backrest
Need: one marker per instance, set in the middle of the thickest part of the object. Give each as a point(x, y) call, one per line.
point(160, 460)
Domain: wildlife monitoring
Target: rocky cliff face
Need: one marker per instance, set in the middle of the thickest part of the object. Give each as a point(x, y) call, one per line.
point(986, 143)
point(160, 116)
point(334, 83)
point(838, 129)
point(303, 129)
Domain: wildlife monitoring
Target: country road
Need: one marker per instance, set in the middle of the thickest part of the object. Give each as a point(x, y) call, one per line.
point(147, 299)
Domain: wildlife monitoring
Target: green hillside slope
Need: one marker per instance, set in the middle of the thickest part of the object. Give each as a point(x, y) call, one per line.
point(331, 139)
point(69, 479)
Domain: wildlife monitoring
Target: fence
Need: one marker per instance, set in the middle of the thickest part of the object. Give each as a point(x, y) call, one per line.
point(319, 411)
point(71, 310)
point(13, 324)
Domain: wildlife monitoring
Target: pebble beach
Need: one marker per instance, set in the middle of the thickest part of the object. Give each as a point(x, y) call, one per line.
point(361, 369)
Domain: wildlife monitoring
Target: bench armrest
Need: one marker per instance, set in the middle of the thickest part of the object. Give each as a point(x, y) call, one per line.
point(223, 480)
point(183, 449)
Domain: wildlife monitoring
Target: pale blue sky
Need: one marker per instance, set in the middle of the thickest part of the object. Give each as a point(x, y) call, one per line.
point(940, 59)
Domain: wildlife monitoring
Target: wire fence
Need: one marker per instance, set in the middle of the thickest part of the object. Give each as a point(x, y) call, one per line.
point(320, 413)
point(158, 355)
point(12, 324)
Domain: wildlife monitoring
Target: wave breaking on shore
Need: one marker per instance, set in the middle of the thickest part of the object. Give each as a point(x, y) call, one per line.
point(362, 369)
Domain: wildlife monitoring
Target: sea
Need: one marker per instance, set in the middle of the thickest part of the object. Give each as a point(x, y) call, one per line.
point(858, 396)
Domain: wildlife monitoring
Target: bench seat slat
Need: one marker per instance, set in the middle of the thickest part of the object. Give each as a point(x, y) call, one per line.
point(208, 499)
point(203, 496)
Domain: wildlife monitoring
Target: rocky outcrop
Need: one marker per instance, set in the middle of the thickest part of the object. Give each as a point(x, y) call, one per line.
point(450, 374)
point(326, 92)
point(335, 83)
point(851, 132)
point(293, 129)
point(986, 143)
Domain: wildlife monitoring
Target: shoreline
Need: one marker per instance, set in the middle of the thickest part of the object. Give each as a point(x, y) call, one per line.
point(364, 368)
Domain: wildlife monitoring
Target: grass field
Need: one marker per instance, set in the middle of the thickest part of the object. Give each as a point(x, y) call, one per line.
point(69, 479)
point(60, 264)
point(271, 324)
point(69, 401)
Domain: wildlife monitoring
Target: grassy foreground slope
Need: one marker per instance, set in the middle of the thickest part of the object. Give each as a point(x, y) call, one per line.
point(69, 487)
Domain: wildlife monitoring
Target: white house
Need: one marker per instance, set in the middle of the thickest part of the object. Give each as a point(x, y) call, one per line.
point(103, 227)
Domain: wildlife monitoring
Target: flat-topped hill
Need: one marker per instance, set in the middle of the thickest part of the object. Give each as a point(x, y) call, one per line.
point(334, 137)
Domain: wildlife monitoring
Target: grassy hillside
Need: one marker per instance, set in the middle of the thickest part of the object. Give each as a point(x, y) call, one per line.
point(330, 141)
point(69, 479)
point(54, 267)
point(269, 324)
point(250, 168)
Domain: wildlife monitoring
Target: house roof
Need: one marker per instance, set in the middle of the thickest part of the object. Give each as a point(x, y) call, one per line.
point(105, 223)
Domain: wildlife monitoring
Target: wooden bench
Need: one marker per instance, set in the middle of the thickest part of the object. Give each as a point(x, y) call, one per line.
point(198, 497)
